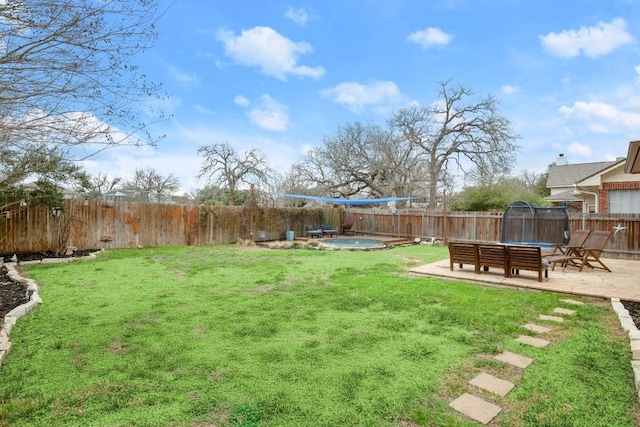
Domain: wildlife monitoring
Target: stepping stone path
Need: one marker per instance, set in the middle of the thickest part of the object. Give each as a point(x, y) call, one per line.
point(484, 411)
point(536, 342)
point(560, 310)
point(517, 360)
point(493, 384)
point(551, 318)
point(537, 328)
point(476, 408)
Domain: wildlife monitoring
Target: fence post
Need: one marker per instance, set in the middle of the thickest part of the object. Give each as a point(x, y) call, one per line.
point(475, 226)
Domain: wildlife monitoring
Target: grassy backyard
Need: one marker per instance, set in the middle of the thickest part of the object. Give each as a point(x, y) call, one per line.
point(242, 336)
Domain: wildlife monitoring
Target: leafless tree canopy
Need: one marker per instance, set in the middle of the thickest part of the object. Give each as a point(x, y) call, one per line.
point(363, 159)
point(413, 155)
point(458, 128)
point(69, 86)
point(222, 166)
point(66, 70)
point(101, 185)
point(151, 185)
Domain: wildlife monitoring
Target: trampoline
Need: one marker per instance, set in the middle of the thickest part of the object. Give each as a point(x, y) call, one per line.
point(525, 224)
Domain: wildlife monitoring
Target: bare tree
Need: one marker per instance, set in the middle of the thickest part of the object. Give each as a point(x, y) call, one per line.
point(222, 166)
point(102, 184)
point(151, 185)
point(68, 81)
point(363, 159)
point(457, 128)
point(294, 181)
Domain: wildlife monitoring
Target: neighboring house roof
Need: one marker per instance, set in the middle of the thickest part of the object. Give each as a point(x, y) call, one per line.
point(565, 196)
point(569, 175)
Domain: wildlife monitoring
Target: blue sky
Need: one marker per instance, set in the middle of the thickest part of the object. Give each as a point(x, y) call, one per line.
point(279, 75)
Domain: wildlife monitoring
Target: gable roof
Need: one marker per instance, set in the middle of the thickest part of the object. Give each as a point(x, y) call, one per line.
point(567, 175)
point(633, 158)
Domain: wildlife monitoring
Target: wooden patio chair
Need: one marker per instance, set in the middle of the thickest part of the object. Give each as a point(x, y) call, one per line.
point(574, 245)
point(593, 248)
point(589, 255)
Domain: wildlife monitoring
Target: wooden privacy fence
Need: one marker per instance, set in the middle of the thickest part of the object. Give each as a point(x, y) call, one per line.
point(115, 224)
point(427, 225)
point(100, 224)
point(487, 226)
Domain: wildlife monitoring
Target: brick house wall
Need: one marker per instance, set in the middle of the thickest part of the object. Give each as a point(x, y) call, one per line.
point(603, 194)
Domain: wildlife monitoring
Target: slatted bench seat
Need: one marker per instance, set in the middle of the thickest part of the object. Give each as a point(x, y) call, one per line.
point(463, 253)
point(527, 258)
point(493, 255)
point(510, 258)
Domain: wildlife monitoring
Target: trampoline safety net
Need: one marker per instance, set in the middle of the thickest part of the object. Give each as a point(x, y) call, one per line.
point(527, 224)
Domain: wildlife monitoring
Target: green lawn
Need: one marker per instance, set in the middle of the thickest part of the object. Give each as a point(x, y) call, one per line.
point(242, 336)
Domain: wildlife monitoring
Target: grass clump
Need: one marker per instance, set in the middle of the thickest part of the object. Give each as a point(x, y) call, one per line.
point(244, 336)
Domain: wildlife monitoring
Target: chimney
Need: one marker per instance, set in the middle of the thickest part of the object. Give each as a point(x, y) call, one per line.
point(561, 160)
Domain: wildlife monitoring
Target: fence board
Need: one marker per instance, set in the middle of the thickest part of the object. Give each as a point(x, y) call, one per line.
point(487, 226)
point(115, 224)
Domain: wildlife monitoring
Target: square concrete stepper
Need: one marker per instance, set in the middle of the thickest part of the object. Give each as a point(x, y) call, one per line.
point(476, 408)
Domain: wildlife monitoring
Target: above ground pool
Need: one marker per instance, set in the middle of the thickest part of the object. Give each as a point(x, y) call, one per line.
point(354, 243)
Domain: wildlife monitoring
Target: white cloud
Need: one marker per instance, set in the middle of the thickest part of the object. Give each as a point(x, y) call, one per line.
point(188, 79)
point(299, 16)
point(265, 112)
point(241, 101)
point(204, 110)
point(633, 102)
point(594, 41)
point(602, 118)
point(96, 134)
point(123, 163)
point(279, 154)
point(430, 37)
point(510, 90)
point(355, 95)
point(637, 69)
point(265, 48)
point(579, 150)
point(204, 55)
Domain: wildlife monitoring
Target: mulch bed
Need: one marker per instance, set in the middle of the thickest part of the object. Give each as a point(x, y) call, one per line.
point(634, 311)
point(13, 294)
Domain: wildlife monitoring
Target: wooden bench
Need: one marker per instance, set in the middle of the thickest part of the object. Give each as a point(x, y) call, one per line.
point(463, 253)
point(493, 255)
point(527, 258)
point(510, 258)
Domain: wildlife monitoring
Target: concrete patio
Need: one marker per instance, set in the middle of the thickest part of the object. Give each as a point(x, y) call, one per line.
point(623, 282)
